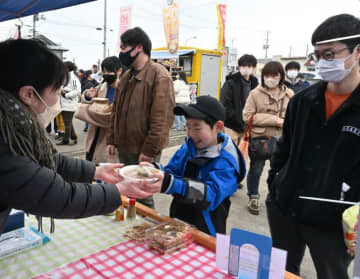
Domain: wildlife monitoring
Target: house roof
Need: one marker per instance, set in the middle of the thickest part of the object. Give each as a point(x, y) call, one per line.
point(50, 44)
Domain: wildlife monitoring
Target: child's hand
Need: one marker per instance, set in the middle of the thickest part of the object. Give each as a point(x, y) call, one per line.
point(153, 187)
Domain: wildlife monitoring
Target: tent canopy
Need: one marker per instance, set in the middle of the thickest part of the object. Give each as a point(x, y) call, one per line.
point(10, 9)
point(164, 54)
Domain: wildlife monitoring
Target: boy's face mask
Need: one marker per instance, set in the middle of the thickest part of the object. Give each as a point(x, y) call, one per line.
point(50, 112)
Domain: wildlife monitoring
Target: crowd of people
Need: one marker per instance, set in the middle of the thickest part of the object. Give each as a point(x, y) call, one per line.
point(309, 135)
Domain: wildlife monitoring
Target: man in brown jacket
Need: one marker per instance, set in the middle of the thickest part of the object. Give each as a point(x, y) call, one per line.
point(142, 113)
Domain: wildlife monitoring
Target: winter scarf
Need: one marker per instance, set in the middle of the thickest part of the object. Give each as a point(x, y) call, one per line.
point(23, 134)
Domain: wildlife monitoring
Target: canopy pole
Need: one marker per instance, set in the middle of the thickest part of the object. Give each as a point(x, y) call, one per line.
point(105, 14)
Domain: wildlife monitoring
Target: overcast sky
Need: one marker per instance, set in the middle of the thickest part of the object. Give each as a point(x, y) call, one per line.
point(290, 23)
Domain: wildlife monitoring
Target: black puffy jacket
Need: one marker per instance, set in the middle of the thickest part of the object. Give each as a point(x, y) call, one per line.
point(66, 193)
point(234, 98)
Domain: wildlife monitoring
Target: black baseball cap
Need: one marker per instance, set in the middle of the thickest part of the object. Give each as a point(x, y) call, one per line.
point(205, 108)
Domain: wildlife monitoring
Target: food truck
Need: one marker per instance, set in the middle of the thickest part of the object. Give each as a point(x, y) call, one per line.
point(203, 68)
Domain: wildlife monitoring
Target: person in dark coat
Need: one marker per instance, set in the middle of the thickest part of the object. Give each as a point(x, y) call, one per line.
point(234, 94)
point(318, 155)
point(34, 177)
point(87, 81)
point(292, 80)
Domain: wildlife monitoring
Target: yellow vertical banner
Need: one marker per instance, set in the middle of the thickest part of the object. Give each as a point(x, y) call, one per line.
point(221, 16)
point(171, 24)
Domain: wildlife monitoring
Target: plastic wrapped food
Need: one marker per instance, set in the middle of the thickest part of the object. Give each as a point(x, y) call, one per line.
point(138, 232)
point(350, 225)
point(169, 237)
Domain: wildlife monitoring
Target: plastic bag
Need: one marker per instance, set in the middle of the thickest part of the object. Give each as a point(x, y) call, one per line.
point(350, 226)
point(244, 147)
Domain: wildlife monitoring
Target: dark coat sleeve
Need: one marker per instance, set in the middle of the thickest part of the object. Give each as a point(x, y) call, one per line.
point(254, 82)
point(281, 154)
point(226, 98)
point(75, 170)
point(38, 190)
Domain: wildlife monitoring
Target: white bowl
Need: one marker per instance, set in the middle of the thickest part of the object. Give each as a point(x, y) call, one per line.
point(124, 172)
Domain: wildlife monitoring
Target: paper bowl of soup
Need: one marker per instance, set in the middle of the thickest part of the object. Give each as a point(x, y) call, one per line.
point(137, 173)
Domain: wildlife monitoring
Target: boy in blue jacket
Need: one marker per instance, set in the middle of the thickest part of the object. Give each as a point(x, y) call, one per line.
point(205, 171)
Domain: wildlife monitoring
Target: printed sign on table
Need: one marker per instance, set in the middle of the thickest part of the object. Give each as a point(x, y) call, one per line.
point(249, 255)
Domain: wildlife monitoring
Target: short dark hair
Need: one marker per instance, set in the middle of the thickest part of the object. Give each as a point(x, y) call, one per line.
point(247, 60)
point(292, 65)
point(87, 73)
point(71, 67)
point(112, 64)
point(137, 36)
point(271, 69)
point(93, 66)
point(338, 26)
point(30, 62)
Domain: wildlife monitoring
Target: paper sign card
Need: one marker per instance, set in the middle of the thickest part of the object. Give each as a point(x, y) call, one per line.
point(249, 255)
point(277, 263)
point(222, 251)
point(277, 260)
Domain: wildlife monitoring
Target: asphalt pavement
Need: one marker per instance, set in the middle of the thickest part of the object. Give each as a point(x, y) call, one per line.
point(239, 216)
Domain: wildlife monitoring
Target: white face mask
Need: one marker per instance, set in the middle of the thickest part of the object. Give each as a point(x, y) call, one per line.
point(245, 71)
point(292, 73)
point(45, 117)
point(334, 70)
point(271, 82)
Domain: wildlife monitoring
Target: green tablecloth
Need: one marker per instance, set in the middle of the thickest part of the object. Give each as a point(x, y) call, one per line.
point(72, 240)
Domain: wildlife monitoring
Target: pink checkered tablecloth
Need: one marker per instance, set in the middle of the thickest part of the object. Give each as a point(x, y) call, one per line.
point(134, 260)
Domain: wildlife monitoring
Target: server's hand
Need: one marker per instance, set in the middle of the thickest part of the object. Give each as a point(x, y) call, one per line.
point(109, 173)
point(132, 189)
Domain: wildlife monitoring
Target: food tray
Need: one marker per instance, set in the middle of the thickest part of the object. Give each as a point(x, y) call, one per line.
point(169, 236)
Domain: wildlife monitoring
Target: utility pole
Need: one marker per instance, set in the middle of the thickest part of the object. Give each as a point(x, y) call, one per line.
point(290, 49)
point(105, 11)
point(18, 26)
point(266, 45)
point(35, 19)
point(307, 50)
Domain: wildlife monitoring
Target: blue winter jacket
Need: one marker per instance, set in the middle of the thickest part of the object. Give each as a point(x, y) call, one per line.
point(218, 171)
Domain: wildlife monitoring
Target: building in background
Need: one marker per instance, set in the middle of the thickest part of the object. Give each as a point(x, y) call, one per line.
point(307, 66)
point(57, 49)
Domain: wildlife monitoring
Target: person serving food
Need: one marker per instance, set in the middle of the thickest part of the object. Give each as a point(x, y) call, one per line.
point(34, 177)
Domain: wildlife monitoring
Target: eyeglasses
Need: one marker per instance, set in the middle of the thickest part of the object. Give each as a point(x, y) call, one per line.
point(328, 54)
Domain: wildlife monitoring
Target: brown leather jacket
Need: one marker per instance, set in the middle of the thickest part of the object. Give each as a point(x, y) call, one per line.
point(142, 113)
point(267, 110)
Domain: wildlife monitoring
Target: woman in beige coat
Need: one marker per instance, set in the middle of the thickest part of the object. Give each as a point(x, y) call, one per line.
point(99, 124)
point(267, 104)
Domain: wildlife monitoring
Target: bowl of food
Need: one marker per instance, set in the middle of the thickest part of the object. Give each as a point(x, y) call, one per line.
point(137, 173)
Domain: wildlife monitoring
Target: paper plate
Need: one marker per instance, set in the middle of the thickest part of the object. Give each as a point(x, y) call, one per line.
point(130, 173)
